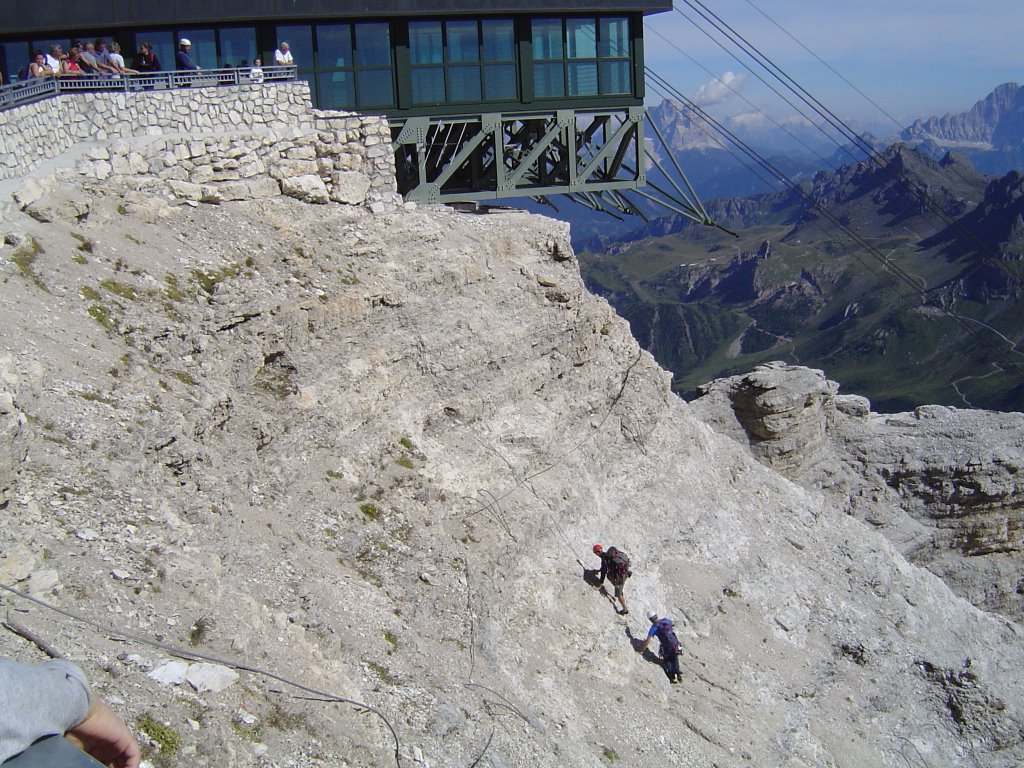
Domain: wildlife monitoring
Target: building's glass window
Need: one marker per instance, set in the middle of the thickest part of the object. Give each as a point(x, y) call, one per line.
point(354, 67)
point(581, 38)
point(615, 38)
point(13, 56)
point(237, 46)
point(499, 40)
point(462, 61)
point(334, 46)
point(547, 39)
point(581, 45)
point(581, 56)
point(373, 45)
point(463, 49)
point(426, 54)
point(425, 46)
point(375, 80)
point(300, 42)
point(336, 89)
point(463, 41)
point(499, 60)
point(616, 53)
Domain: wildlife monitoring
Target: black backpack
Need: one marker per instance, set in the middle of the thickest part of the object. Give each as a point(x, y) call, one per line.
point(667, 635)
point(618, 564)
point(24, 73)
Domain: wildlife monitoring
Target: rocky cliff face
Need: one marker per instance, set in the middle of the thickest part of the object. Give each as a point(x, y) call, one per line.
point(996, 120)
point(364, 452)
point(991, 133)
point(956, 474)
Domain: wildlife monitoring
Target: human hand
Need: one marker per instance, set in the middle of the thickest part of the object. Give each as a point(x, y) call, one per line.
point(104, 735)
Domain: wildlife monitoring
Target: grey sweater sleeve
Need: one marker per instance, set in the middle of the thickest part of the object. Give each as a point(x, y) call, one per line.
point(39, 700)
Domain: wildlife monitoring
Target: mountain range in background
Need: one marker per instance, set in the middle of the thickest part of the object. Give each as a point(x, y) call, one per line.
point(991, 134)
point(913, 308)
point(900, 275)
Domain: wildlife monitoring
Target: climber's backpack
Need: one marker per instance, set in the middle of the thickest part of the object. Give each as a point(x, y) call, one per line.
point(619, 564)
point(667, 635)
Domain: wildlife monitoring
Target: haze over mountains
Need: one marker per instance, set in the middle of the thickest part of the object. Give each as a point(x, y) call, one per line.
point(900, 276)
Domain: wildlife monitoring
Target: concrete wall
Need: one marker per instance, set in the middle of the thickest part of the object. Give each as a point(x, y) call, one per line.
point(230, 142)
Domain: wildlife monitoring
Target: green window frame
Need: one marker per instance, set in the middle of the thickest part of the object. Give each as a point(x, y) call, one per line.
point(462, 61)
point(355, 67)
point(581, 56)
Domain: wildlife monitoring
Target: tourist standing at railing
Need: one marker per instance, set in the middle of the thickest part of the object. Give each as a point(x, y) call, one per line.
point(117, 60)
point(103, 58)
point(182, 58)
point(145, 59)
point(53, 57)
point(256, 73)
point(39, 67)
point(91, 64)
point(283, 56)
point(69, 64)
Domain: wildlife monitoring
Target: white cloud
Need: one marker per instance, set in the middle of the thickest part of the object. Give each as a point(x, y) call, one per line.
point(749, 119)
point(719, 90)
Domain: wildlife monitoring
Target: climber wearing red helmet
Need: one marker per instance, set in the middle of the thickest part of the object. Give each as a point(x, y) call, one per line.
point(614, 566)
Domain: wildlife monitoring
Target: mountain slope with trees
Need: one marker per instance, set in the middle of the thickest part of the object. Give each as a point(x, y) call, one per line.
point(922, 304)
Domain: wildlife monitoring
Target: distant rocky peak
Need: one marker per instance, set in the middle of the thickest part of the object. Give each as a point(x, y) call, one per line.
point(997, 120)
point(674, 121)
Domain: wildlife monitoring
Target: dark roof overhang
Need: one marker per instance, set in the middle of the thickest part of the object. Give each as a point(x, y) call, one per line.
point(28, 18)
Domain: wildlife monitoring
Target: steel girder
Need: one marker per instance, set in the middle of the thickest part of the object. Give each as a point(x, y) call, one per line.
point(494, 155)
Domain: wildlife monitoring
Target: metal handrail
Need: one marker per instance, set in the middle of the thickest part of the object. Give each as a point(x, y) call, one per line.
point(36, 89)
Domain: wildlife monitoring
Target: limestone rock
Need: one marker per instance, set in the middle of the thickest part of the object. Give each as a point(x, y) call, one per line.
point(210, 677)
point(169, 672)
point(957, 476)
point(17, 564)
point(783, 411)
point(308, 188)
point(349, 187)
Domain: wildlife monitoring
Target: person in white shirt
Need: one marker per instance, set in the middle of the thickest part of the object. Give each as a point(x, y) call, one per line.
point(256, 73)
point(53, 57)
point(283, 56)
point(117, 60)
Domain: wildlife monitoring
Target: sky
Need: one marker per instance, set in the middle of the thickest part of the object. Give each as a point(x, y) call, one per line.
point(911, 58)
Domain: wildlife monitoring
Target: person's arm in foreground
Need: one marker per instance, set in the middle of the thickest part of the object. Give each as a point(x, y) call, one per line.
point(54, 698)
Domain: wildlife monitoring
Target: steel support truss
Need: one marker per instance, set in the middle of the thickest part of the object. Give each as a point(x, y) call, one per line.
point(488, 156)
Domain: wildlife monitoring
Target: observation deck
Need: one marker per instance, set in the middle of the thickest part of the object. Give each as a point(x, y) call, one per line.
point(486, 100)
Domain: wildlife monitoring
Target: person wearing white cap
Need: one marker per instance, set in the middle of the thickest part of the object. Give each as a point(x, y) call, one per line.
point(183, 58)
point(663, 628)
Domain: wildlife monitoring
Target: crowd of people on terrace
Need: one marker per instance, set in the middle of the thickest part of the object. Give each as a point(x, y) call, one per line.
point(103, 59)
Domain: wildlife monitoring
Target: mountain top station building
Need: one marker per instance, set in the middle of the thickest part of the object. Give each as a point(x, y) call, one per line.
point(486, 99)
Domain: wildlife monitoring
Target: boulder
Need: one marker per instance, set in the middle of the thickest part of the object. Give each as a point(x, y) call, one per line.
point(308, 189)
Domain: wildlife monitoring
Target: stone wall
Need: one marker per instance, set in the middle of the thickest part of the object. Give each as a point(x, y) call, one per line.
point(207, 143)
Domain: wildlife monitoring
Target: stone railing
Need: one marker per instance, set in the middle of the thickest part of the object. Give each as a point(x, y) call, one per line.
point(206, 143)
